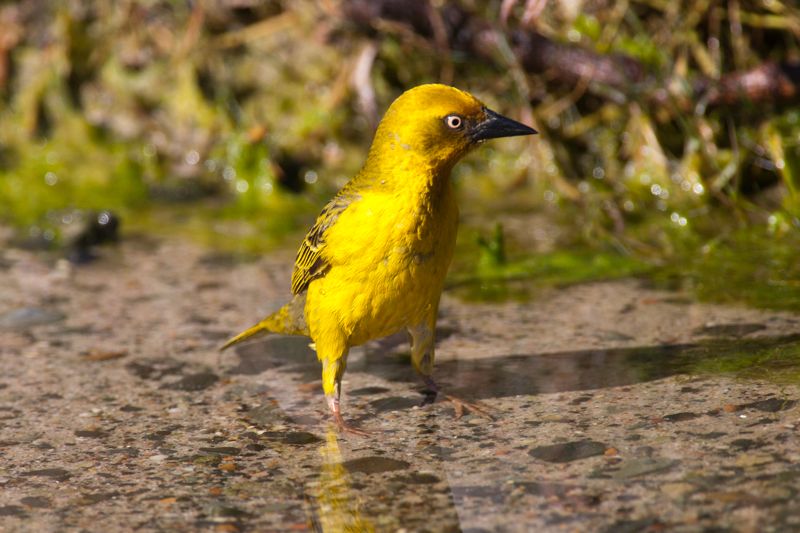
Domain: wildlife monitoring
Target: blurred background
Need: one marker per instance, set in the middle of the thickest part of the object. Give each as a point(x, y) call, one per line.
point(669, 141)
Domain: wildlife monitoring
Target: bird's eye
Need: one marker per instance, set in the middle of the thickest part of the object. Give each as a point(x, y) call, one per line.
point(454, 122)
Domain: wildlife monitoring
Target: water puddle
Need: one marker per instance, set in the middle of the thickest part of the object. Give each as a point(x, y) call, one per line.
point(771, 358)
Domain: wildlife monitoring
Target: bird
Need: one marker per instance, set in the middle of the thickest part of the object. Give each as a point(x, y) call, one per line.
point(374, 262)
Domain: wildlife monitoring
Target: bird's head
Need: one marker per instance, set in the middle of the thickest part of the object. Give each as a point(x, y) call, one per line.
point(439, 124)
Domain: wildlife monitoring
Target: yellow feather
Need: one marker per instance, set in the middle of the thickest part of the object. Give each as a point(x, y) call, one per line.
point(376, 258)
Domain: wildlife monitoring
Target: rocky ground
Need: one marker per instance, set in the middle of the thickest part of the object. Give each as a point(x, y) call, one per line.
point(117, 413)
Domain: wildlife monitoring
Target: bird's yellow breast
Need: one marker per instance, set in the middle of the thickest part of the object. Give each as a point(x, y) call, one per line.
point(389, 253)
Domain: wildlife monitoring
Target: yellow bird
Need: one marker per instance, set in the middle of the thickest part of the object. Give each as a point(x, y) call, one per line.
point(375, 261)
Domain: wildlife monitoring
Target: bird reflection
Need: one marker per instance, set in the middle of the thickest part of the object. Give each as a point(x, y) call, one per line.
point(337, 506)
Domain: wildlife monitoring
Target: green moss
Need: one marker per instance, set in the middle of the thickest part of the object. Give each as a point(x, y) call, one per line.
point(750, 266)
point(484, 272)
point(773, 359)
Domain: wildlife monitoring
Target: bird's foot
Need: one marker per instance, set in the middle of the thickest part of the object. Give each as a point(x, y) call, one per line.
point(346, 428)
point(460, 406)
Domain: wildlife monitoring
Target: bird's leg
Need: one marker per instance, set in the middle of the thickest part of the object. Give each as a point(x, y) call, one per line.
point(336, 367)
point(422, 356)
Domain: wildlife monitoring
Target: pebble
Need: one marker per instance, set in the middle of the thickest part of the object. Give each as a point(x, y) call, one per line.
point(27, 317)
point(565, 452)
point(639, 467)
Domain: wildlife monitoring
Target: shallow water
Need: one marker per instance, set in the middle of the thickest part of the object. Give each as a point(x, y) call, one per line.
point(615, 407)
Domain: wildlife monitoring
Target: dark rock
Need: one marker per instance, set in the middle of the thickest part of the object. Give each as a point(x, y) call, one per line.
point(91, 434)
point(223, 450)
point(58, 474)
point(39, 502)
point(538, 488)
point(565, 452)
point(681, 417)
point(28, 317)
point(297, 438)
point(13, 510)
point(770, 405)
point(374, 465)
point(194, 382)
point(745, 444)
point(711, 435)
point(419, 478)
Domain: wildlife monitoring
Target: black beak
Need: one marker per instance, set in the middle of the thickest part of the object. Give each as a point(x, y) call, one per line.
point(496, 125)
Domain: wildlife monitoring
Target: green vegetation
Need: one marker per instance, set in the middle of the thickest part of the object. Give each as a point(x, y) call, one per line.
point(234, 123)
point(771, 359)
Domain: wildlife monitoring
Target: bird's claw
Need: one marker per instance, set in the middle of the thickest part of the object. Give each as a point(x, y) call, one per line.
point(346, 428)
point(460, 406)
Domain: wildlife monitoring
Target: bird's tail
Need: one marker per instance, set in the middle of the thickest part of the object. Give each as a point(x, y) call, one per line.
point(288, 320)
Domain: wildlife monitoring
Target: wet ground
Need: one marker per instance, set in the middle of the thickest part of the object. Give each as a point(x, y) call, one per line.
point(617, 408)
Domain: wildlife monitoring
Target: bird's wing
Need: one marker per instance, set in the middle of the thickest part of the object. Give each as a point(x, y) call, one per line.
point(311, 263)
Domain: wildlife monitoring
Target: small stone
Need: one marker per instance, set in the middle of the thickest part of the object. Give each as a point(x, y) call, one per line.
point(565, 452)
point(194, 382)
point(222, 450)
point(27, 317)
point(374, 465)
point(770, 405)
point(12, 510)
point(680, 417)
point(58, 474)
point(297, 438)
point(39, 502)
point(104, 355)
point(91, 434)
